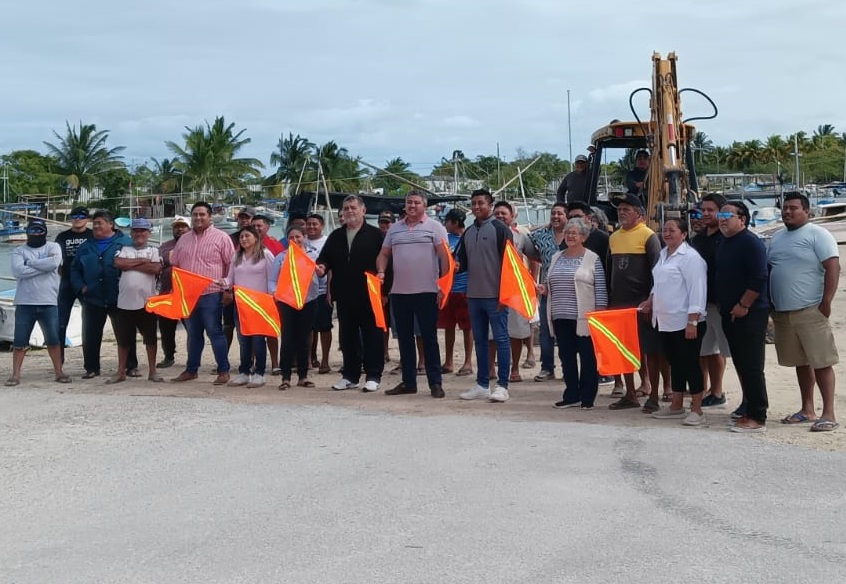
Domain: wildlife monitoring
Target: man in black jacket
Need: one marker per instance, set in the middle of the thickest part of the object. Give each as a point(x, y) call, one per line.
point(348, 253)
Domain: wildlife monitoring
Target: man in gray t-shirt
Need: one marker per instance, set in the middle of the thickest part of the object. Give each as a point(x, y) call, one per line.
point(480, 253)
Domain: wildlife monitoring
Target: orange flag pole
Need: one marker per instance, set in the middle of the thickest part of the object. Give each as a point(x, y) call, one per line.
point(294, 277)
point(178, 304)
point(516, 285)
point(374, 292)
point(257, 313)
point(615, 340)
point(445, 281)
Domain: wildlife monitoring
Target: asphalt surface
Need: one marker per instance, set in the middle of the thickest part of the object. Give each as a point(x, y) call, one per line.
point(103, 488)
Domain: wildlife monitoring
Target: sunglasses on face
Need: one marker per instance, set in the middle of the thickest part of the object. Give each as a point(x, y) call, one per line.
point(725, 215)
point(79, 217)
point(695, 215)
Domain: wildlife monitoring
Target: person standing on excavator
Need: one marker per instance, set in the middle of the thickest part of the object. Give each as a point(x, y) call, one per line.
point(574, 186)
point(636, 177)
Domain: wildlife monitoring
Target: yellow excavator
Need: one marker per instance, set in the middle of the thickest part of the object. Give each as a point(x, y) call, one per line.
point(670, 187)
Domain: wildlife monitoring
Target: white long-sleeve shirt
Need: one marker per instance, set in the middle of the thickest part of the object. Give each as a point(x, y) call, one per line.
point(37, 272)
point(680, 288)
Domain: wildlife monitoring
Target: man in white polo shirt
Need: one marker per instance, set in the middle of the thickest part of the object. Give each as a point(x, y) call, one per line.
point(416, 244)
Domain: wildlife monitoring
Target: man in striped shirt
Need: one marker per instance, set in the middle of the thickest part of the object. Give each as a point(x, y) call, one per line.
point(207, 251)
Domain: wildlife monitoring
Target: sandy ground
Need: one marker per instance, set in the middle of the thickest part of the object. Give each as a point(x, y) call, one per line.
point(530, 401)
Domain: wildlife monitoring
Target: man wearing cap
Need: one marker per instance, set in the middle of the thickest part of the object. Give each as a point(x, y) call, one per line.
point(205, 250)
point(69, 241)
point(386, 219)
point(141, 265)
point(36, 268)
point(245, 218)
point(167, 326)
point(636, 177)
point(574, 186)
point(634, 250)
point(95, 278)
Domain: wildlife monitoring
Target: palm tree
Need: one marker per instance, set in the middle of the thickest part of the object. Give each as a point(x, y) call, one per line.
point(399, 167)
point(167, 178)
point(208, 160)
point(823, 136)
point(702, 143)
point(291, 155)
point(82, 154)
point(340, 171)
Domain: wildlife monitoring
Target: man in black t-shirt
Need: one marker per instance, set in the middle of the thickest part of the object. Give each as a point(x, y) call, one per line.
point(70, 240)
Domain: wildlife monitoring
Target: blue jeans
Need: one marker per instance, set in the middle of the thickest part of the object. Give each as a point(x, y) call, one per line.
point(424, 309)
point(205, 318)
point(547, 341)
point(26, 315)
point(250, 345)
point(485, 313)
point(581, 381)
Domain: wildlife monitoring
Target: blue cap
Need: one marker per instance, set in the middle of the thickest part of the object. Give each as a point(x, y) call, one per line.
point(141, 223)
point(36, 226)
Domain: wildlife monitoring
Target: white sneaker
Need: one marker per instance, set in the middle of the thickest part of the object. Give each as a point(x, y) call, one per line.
point(370, 386)
point(344, 384)
point(694, 419)
point(238, 380)
point(256, 380)
point(666, 413)
point(477, 392)
point(499, 394)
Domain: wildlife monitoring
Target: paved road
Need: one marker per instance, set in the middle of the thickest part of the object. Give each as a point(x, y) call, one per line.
point(101, 489)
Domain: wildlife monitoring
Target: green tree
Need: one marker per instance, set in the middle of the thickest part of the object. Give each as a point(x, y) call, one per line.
point(391, 185)
point(341, 172)
point(81, 154)
point(209, 159)
point(30, 172)
point(291, 156)
point(166, 177)
point(702, 144)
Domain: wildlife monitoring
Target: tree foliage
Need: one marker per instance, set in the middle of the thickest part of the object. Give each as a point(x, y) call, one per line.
point(81, 154)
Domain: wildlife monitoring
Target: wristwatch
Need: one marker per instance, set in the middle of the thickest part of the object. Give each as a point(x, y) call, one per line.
point(693, 322)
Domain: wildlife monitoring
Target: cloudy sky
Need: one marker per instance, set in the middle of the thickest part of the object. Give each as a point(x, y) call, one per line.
point(410, 78)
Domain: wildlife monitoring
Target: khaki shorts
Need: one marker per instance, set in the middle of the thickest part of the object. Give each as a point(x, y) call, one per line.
point(714, 342)
point(803, 337)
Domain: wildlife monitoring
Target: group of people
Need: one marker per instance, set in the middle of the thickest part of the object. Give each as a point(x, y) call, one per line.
point(703, 291)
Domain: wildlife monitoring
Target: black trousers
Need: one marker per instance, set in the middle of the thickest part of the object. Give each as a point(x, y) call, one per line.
point(746, 339)
point(93, 320)
point(361, 341)
point(296, 326)
point(683, 356)
point(167, 329)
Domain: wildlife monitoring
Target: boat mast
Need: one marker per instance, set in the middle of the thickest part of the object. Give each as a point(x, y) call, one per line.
point(5, 179)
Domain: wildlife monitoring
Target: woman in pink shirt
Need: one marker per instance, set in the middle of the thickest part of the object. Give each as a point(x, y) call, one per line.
point(250, 268)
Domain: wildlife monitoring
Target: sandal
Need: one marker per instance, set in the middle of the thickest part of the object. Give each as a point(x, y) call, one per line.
point(133, 373)
point(324, 370)
point(115, 379)
point(445, 369)
point(528, 364)
point(91, 374)
point(464, 371)
point(642, 393)
point(63, 379)
point(315, 363)
point(156, 378)
point(11, 382)
point(651, 406)
point(515, 378)
point(618, 391)
point(305, 383)
point(822, 425)
point(624, 404)
point(286, 384)
point(797, 418)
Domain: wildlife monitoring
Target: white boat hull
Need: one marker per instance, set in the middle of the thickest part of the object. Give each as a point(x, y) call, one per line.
point(7, 324)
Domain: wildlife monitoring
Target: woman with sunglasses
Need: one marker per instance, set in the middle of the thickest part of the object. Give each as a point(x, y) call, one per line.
point(677, 304)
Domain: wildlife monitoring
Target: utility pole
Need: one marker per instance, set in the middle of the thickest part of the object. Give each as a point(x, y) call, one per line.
point(569, 130)
point(796, 159)
point(5, 179)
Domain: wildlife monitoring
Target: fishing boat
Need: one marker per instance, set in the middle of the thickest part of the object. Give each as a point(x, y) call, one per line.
point(7, 323)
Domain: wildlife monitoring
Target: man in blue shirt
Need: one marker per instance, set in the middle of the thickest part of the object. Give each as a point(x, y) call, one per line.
point(804, 273)
point(455, 313)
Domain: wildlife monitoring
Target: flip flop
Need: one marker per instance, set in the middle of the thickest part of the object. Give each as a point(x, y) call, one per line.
point(624, 404)
point(284, 385)
point(822, 425)
point(305, 383)
point(63, 379)
point(651, 406)
point(155, 378)
point(528, 364)
point(515, 378)
point(446, 369)
point(642, 393)
point(11, 382)
point(115, 379)
point(797, 418)
point(464, 371)
point(324, 370)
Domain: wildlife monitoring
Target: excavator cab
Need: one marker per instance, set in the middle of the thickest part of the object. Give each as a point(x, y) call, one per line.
point(670, 188)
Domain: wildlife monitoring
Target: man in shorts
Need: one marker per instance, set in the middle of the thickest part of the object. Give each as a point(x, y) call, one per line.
point(141, 265)
point(322, 327)
point(804, 273)
point(455, 313)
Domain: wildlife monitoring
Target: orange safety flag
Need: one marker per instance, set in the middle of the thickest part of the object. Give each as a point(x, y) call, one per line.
point(374, 291)
point(178, 304)
point(615, 340)
point(445, 281)
point(294, 277)
point(516, 286)
point(257, 313)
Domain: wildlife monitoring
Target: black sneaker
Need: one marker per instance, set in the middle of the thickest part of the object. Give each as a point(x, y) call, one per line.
point(562, 405)
point(710, 401)
point(401, 389)
point(168, 362)
point(740, 412)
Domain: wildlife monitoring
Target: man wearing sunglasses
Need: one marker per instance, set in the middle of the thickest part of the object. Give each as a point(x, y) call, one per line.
point(741, 281)
point(69, 241)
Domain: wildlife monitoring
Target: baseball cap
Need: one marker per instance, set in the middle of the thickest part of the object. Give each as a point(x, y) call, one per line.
point(642, 152)
point(36, 226)
point(386, 216)
point(79, 213)
point(247, 211)
point(581, 158)
point(180, 219)
point(141, 223)
point(631, 199)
